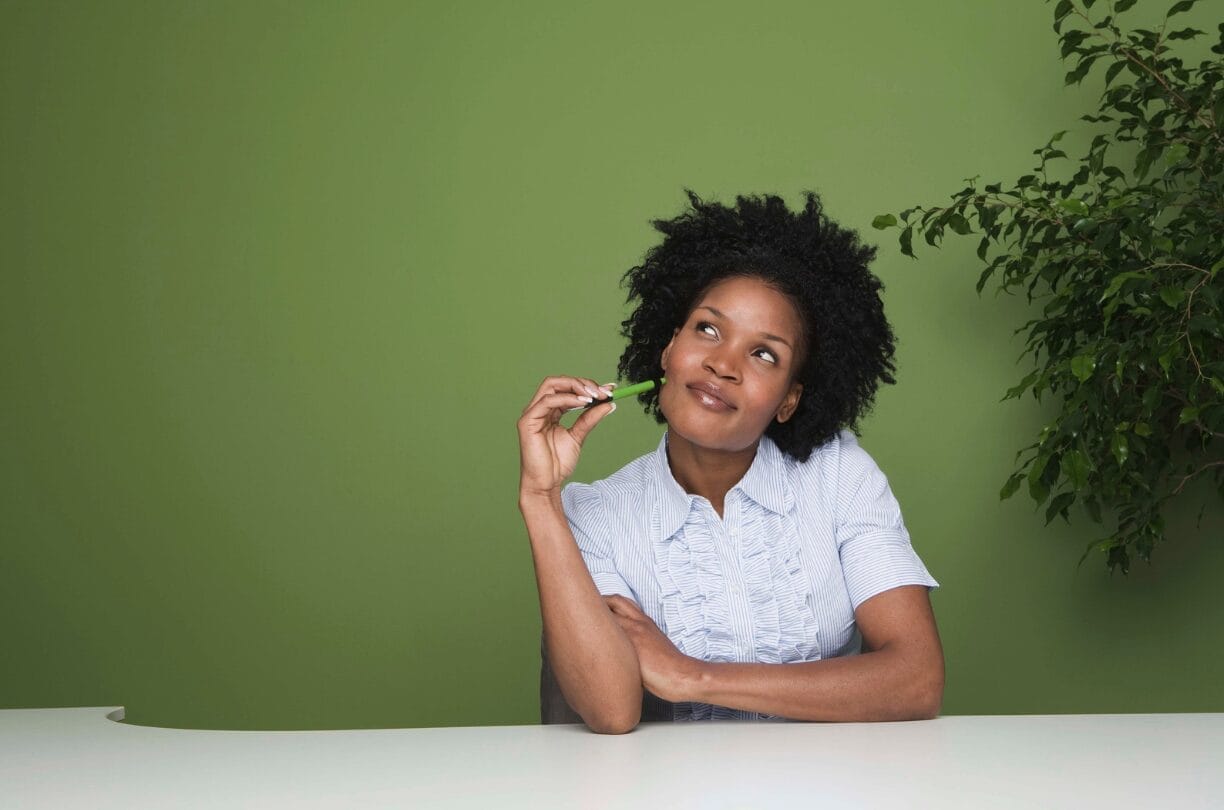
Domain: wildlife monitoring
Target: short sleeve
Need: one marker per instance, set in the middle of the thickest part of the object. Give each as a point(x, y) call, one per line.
point(590, 524)
point(876, 554)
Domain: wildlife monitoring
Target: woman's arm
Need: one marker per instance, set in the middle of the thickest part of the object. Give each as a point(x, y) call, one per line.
point(591, 656)
point(595, 665)
point(900, 677)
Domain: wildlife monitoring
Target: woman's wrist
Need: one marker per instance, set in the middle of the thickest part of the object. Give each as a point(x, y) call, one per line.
point(531, 500)
point(693, 680)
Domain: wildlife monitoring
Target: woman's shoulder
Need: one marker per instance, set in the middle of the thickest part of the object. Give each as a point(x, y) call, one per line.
point(834, 469)
point(843, 441)
point(834, 458)
point(627, 486)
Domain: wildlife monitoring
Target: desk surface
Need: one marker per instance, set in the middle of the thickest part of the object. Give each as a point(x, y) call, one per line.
point(82, 758)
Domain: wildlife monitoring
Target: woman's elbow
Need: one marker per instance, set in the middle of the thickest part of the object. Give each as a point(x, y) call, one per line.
point(928, 705)
point(617, 713)
point(928, 698)
point(613, 724)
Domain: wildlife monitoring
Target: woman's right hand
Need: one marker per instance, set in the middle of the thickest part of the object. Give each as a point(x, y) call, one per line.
point(549, 452)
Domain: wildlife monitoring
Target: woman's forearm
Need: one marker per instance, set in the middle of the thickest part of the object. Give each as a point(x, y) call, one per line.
point(889, 684)
point(591, 656)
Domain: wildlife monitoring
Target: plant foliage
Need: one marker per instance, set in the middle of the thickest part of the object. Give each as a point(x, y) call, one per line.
point(1125, 259)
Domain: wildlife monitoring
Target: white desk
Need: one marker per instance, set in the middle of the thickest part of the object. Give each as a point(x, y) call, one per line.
point(67, 758)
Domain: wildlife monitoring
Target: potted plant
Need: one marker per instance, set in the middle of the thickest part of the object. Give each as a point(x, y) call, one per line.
point(1125, 260)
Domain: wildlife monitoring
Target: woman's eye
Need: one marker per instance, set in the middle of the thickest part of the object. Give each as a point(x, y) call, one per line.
point(702, 326)
point(768, 355)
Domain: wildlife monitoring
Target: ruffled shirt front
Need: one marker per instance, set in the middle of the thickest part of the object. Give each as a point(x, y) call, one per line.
point(776, 580)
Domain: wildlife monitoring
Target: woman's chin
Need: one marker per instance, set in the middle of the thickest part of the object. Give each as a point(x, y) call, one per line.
point(702, 431)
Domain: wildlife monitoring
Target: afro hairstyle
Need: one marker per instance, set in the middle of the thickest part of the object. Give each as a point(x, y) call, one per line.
point(821, 267)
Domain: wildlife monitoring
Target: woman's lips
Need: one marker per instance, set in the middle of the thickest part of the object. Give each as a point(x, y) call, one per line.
point(708, 400)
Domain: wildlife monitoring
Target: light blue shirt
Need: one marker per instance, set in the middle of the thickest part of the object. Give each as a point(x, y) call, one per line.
point(776, 580)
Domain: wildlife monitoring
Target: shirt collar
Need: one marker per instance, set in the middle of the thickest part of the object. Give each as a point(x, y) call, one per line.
point(674, 502)
point(766, 483)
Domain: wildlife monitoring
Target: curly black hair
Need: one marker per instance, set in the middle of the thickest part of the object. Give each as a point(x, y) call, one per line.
point(820, 266)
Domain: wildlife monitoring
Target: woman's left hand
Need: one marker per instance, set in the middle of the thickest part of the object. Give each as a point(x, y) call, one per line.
point(666, 672)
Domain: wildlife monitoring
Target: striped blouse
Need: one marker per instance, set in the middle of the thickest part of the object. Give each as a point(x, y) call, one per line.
point(775, 580)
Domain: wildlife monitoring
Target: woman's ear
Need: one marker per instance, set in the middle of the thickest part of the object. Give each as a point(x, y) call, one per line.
point(667, 349)
point(790, 403)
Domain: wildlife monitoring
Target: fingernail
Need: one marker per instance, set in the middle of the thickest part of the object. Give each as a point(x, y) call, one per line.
point(612, 408)
point(591, 390)
point(585, 399)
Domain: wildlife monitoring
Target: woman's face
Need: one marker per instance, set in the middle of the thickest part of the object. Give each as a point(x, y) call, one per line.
point(731, 367)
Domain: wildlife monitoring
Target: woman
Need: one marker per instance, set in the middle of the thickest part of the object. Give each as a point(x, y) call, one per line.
point(739, 570)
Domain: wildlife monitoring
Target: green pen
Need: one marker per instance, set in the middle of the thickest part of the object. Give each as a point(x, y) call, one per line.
point(628, 391)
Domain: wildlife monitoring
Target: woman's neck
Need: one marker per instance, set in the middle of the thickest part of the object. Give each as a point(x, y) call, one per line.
point(706, 472)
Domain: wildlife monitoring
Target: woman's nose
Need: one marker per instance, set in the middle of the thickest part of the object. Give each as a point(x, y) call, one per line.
point(721, 363)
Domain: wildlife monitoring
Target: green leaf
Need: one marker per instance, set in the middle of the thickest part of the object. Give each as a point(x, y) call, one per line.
point(1119, 447)
point(1179, 7)
point(1075, 468)
point(1022, 387)
point(1204, 323)
point(1074, 206)
point(883, 221)
point(1123, 5)
point(1185, 33)
point(1151, 396)
point(1188, 414)
point(1143, 161)
point(1116, 284)
point(1173, 296)
point(1082, 366)
point(907, 242)
point(959, 224)
point(1145, 39)
point(1071, 42)
point(1143, 429)
point(985, 276)
point(1166, 358)
point(1061, 10)
point(1175, 154)
point(1038, 489)
point(1059, 505)
point(1075, 77)
point(1009, 489)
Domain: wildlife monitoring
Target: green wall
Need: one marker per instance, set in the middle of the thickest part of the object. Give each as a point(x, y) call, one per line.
point(276, 280)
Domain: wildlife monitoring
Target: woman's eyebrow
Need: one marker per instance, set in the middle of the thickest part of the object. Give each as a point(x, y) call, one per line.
point(764, 335)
